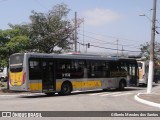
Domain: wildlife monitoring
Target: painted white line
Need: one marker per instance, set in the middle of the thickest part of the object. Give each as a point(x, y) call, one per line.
point(122, 94)
point(15, 95)
point(8, 95)
point(111, 94)
point(145, 101)
point(98, 93)
point(86, 90)
point(76, 91)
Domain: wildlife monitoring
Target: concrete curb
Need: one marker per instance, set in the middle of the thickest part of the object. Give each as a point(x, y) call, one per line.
point(145, 101)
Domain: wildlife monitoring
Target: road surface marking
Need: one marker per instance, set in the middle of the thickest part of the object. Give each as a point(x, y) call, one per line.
point(111, 94)
point(122, 94)
point(98, 93)
point(13, 95)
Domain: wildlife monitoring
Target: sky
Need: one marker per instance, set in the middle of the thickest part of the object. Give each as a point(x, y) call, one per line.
point(106, 22)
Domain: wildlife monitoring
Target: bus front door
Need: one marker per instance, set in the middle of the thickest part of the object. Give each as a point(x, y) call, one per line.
point(48, 79)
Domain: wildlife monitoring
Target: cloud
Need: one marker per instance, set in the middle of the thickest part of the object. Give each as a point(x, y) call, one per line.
point(99, 17)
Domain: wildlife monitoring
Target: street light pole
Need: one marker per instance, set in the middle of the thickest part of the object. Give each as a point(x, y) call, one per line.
point(151, 62)
point(146, 17)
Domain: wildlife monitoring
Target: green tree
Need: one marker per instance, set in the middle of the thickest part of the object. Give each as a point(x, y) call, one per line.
point(145, 50)
point(51, 32)
point(11, 41)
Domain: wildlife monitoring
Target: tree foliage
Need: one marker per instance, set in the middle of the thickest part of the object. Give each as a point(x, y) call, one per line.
point(145, 51)
point(11, 41)
point(47, 32)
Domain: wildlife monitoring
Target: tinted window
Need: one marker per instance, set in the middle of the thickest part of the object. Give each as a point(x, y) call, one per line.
point(70, 68)
point(77, 69)
point(16, 69)
point(16, 63)
point(97, 69)
point(35, 72)
point(16, 59)
point(63, 68)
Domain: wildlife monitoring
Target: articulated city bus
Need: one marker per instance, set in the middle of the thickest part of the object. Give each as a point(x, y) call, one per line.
point(64, 73)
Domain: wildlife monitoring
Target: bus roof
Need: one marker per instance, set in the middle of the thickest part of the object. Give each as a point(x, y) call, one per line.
point(73, 56)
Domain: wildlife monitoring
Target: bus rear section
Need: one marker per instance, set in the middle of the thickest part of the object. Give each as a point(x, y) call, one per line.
point(142, 72)
point(17, 74)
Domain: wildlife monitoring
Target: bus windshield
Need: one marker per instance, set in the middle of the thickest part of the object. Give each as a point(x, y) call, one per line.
point(16, 62)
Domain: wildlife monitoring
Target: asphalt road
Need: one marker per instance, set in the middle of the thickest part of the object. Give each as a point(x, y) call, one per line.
point(111, 100)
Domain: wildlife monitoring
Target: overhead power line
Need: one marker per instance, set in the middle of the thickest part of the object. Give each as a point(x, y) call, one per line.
point(115, 37)
point(110, 43)
point(98, 39)
point(108, 48)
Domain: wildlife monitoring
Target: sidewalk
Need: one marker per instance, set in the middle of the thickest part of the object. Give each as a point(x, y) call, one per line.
point(3, 85)
point(152, 99)
point(4, 90)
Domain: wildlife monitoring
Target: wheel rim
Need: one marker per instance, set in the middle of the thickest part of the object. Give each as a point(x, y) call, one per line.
point(122, 85)
point(66, 89)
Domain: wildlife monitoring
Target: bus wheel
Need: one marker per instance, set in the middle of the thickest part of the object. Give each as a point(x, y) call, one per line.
point(122, 84)
point(104, 90)
point(66, 88)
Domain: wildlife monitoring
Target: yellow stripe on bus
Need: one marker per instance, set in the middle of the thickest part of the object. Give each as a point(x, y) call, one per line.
point(75, 84)
point(58, 85)
point(38, 86)
point(35, 86)
point(86, 84)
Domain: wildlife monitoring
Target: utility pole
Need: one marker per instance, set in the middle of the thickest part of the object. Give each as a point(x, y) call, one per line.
point(151, 62)
point(75, 37)
point(83, 35)
point(122, 50)
point(117, 48)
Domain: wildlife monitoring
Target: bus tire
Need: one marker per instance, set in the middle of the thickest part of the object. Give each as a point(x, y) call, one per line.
point(122, 84)
point(104, 90)
point(145, 85)
point(66, 88)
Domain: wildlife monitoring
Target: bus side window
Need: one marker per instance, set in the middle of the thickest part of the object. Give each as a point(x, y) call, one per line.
point(63, 68)
point(107, 69)
point(97, 69)
point(77, 69)
point(113, 66)
point(34, 70)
